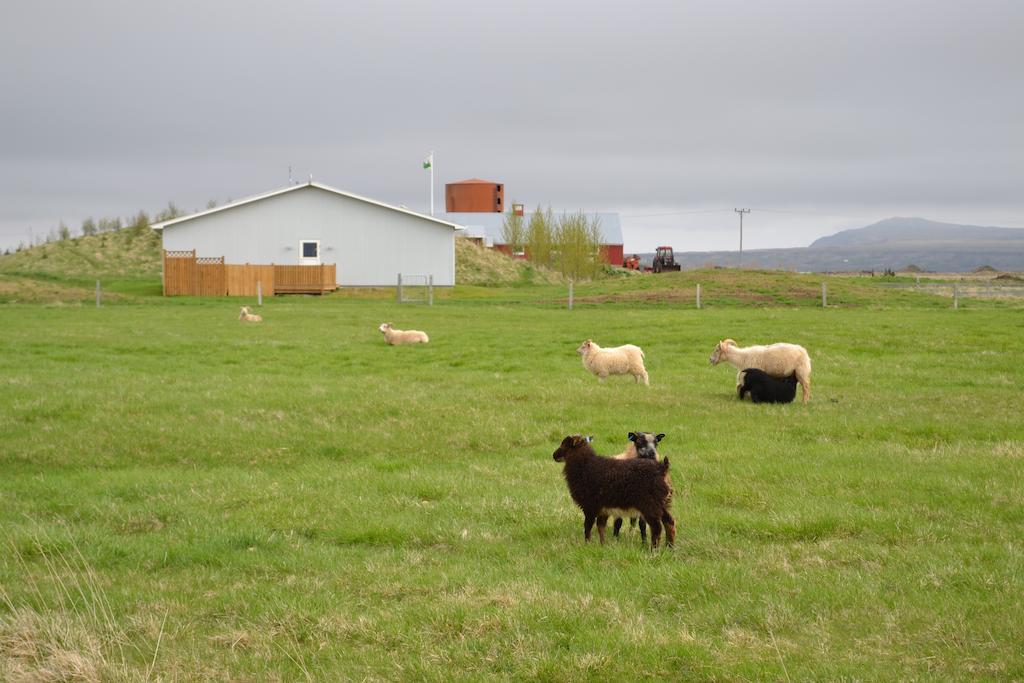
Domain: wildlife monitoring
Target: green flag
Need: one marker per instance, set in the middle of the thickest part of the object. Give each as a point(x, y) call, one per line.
point(429, 162)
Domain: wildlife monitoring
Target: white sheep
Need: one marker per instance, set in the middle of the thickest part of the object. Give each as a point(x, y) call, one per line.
point(394, 337)
point(778, 360)
point(249, 316)
point(621, 360)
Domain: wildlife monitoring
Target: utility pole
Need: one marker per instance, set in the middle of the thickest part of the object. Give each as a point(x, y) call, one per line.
point(741, 212)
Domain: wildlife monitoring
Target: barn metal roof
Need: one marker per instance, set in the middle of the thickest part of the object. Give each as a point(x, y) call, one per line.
point(489, 225)
point(291, 188)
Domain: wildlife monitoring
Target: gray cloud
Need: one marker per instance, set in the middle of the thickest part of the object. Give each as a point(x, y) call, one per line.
point(867, 108)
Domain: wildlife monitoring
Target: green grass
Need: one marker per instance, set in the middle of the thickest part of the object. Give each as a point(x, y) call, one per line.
point(186, 497)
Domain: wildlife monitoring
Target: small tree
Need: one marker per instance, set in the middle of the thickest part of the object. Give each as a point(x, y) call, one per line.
point(579, 246)
point(63, 232)
point(169, 213)
point(212, 204)
point(88, 227)
point(513, 232)
point(540, 236)
point(141, 221)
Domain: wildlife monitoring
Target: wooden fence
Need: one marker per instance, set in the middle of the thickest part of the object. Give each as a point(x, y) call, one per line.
point(185, 274)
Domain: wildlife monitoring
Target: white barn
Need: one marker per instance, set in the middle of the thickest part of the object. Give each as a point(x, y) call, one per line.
point(369, 241)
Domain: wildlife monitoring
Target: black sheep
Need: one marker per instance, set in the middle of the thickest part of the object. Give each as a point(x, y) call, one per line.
point(605, 486)
point(763, 388)
point(641, 445)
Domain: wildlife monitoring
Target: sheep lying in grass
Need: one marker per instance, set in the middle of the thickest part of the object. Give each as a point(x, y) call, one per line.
point(778, 360)
point(249, 316)
point(641, 445)
point(621, 360)
point(605, 486)
point(763, 388)
point(394, 337)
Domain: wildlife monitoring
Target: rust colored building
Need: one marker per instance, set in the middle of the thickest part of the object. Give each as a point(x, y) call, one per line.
point(474, 196)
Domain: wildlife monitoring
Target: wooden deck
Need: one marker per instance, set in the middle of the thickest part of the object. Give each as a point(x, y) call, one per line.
point(185, 274)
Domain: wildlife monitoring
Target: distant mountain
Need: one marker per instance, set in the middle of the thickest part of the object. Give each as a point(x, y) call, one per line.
point(900, 232)
point(893, 243)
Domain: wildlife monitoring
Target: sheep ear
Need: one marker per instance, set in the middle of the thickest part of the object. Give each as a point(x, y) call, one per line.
point(631, 436)
point(589, 439)
point(658, 438)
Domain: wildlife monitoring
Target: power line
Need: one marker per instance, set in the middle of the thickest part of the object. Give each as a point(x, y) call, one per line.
point(671, 213)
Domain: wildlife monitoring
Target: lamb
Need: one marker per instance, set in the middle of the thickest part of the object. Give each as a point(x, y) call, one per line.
point(778, 360)
point(641, 445)
point(604, 486)
point(621, 360)
point(763, 388)
point(395, 337)
point(249, 316)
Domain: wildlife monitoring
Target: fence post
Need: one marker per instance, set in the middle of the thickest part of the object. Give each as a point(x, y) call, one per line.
point(430, 290)
point(570, 295)
point(956, 296)
point(259, 292)
point(824, 296)
point(698, 296)
point(399, 290)
point(99, 294)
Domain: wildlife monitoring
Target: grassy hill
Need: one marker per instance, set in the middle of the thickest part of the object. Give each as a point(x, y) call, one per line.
point(475, 265)
point(128, 253)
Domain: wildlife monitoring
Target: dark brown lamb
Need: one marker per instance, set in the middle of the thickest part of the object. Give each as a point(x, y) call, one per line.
point(605, 486)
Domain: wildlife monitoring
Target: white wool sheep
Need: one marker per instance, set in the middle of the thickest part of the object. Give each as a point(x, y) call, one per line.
point(778, 360)
point(394, 337)
point(621, 360)
point(249, 316)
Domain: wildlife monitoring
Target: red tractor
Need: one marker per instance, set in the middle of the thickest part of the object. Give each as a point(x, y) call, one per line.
point(664, 259)
point(631, 262)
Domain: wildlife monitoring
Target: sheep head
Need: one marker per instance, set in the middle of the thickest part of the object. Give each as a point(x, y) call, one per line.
point(585, 347)
point(716, 355)
point(245, 312)
point(646, 444)
point(571, 445)
point(384, 327)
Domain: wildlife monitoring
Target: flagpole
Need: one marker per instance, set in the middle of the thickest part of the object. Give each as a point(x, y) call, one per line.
point(431, 183)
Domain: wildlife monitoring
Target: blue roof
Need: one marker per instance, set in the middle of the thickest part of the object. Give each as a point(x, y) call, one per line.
point(488, 225)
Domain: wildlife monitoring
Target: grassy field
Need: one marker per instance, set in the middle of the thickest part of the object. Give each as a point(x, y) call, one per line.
point(186, 497)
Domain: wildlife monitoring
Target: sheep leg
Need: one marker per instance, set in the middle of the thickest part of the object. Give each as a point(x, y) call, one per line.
point(643, 531)
point(617, 526)
point(805, 385)
point(602, 521)
point(655, 525)
point(588, 525)
point(670, 528)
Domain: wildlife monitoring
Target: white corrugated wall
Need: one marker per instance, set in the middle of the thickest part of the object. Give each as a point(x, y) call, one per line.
point(370, 244)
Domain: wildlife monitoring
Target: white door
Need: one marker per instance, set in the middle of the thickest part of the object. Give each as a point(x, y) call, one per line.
point(309, 252)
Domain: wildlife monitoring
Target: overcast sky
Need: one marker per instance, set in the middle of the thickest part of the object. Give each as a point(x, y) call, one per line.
point(817, 115)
